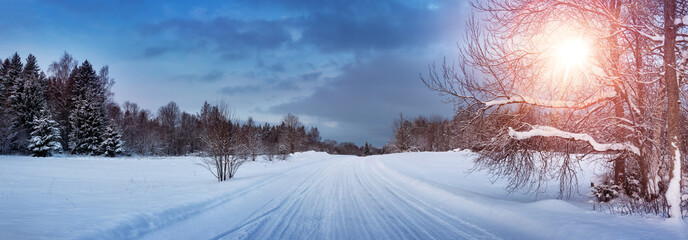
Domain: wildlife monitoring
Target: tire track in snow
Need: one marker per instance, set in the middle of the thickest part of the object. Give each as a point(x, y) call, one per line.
point(146, 223)
point(434, 221)
point(427, 209)
point(352, 199)
point(273, 210)
point(502, 217)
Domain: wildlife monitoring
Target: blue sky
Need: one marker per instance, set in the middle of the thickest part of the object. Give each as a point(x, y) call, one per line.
point(347, 67)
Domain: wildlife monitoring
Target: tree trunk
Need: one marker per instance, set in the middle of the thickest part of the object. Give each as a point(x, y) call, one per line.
point(645, 147)
point(673, 194)
point(620, 161)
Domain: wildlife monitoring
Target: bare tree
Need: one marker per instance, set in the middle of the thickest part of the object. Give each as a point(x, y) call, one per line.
point(517, 66)
point(402, 134)
point(252, 140)
point(107, 83)
point(292, 135)
point(58, 92)
point(188, 132)
point(169, 117)
point(221, 143)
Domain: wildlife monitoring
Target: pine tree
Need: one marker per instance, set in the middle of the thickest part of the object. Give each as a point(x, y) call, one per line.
point(4, 117)
point(45, 137)
point(3, 94)
point(112, 143)
point(87, 84)
point(2, 88)
point(13, 69)
point(87, 129)
point(4, 103)
point(87, 118)
point(366, 150)
point(28, 98)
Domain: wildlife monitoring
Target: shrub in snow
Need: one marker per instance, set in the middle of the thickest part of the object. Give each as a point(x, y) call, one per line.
point(283, 152)
point(223, 154)
point(632, 188)
point(605, 192)
point(112, 143)
point(45, 137)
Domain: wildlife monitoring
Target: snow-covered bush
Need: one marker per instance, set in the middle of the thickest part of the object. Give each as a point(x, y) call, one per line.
point(112, 143)
point(283, 152)
point(45, 137)
point(605, 192)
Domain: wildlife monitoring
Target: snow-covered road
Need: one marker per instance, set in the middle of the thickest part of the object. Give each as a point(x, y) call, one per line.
point(312, 196)
point(352, 198)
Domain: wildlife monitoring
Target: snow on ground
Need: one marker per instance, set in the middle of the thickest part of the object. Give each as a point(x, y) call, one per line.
point(311, 196)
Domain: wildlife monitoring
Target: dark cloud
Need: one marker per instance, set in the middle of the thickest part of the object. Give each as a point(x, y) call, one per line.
point(212, 76)
point(109, 13)
point(329, 26)
point(231, 38)
point(274, 68)
point(95, 7)
point(310, 77)
point(283, 86)
point(368, 96)
point(240, 90)
point(386, 26)
point(155, 51)
point(233, 55)
point(363, 25)
point(266, 87)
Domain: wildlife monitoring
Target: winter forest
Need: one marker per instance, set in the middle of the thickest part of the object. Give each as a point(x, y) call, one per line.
point(72, 111)
point(569, 119)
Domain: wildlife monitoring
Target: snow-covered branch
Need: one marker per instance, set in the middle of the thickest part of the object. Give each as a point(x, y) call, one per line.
point(546, 131)
point(550, 104)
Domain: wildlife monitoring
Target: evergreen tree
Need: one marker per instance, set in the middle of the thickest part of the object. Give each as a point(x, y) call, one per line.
point(13, 69)
point(87, 118)
point(3, 82)
point(45, 137)
point(4, 67)
point(2, 87)
point(86, 136)
point(27, 101)
point(87, 85)
point(366, 150)
point(30, 93)
point(31, 67)
point(112, 143)
point(4, 116)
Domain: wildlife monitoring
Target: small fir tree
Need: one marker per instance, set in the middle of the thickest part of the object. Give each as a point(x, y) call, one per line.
point(45, 137)
point(112, 144)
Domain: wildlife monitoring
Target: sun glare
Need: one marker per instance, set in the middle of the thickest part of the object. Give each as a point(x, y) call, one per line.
point(572, 52)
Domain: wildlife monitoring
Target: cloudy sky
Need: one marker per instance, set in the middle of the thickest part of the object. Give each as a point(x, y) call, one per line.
point(348, 67)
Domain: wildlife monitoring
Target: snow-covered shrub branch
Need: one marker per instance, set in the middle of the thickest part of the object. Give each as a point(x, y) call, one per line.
point(546, 131)
point(550, 103)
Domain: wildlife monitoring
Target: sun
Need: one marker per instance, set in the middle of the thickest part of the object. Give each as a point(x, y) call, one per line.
point(572, 52)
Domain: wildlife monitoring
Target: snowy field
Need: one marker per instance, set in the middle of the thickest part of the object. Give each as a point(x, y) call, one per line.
point(310, 196)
